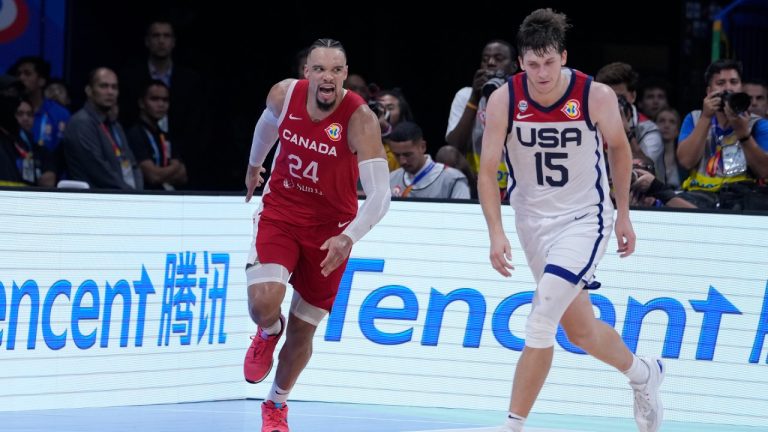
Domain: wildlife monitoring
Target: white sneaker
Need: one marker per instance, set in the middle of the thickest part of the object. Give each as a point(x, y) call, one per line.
point(649, 411)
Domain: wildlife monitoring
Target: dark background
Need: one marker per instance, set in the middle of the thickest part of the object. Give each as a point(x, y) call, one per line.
point(242, 48)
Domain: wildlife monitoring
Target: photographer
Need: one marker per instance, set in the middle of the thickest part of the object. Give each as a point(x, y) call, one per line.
point(648, 191)
point(391, 108)
point(724, 147)
point(466, 121)
point(642, 133)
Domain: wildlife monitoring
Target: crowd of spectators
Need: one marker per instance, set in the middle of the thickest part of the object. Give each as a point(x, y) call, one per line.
point(142, 128)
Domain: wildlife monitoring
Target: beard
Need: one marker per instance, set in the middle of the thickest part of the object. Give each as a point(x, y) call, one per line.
point(324, 106)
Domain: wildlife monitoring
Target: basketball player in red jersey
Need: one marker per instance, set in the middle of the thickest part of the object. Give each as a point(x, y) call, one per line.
point(308, 219)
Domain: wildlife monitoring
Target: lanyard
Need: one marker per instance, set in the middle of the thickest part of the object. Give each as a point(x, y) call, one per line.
point(26, 151)
point(159, 154)
point(22, 152)
point(717, 139)
point(416, 179)
point(114, 140)
point(43, 123)
point(25, 138)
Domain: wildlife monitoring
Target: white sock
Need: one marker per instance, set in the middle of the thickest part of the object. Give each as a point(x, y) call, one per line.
point(637, 373)
point(514, 422)
point(278, 395)
point(272, 329)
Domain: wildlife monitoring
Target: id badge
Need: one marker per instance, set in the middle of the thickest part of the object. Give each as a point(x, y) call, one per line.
point(28, 170)
point(734, 161)
point(128, 173)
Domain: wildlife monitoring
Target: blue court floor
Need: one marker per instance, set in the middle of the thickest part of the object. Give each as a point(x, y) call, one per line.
point(244, 415)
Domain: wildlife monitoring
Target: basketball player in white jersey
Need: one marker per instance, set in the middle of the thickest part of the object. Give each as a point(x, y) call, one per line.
point(552, 123)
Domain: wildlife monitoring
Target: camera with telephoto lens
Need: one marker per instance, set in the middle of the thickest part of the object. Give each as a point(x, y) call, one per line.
point(625, 106)
point(495, 80)
point(738, 101)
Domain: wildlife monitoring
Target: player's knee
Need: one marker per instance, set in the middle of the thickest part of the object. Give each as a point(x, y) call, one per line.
point(553, 296)
point(265, 298)
point(540, 331)
point(265, 292)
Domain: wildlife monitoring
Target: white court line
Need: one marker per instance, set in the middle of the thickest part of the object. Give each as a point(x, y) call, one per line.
point(390, 419)
point(495, 429)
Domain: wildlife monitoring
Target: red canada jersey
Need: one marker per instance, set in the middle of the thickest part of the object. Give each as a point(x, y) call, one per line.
point(314, 172)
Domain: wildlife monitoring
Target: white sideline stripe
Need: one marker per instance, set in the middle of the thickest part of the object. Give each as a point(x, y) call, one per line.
point(299, 414)
point(495, 429)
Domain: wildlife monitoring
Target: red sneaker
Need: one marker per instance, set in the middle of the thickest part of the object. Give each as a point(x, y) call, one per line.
point(274, 419)
point(258, 360)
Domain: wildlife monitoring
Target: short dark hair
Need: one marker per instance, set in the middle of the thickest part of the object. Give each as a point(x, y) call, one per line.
point(652, 83)
point(406, 131)
point(512, 51)
point(95, 71)
point(405, 108)
point(159, 21)
point(720, 65)
point(618, 73)
point(755, 81)
point(541, 30)
point(151, 83)
point(42, 67)
point(326, 43)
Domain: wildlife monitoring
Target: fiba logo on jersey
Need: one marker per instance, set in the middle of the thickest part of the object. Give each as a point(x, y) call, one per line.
point(571, 109)
point(334, 131)
point(288, 183)
point(522, 106)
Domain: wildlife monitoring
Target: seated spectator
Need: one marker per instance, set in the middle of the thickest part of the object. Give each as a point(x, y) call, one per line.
point(652, 97)
point(758, 94)
point(159, 161)
point(9, 128)
point(419, 176)
point(50, 117)
point(57, 90)
point(34, 161)
point(451, 157)
point(668, 121)
point(95, 145)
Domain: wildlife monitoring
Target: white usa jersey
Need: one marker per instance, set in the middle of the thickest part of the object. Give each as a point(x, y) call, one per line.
point(555, 154)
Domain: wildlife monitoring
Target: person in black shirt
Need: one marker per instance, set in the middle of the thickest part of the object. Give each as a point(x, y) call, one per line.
point(158, 159)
